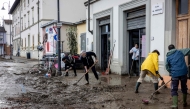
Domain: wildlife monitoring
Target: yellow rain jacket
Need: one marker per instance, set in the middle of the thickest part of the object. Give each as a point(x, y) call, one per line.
point(151, 63)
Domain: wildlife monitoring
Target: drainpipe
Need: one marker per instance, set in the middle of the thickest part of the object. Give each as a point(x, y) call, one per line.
point(89, 17)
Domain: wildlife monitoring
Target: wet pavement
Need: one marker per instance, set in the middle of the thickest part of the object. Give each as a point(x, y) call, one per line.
point(20, 89)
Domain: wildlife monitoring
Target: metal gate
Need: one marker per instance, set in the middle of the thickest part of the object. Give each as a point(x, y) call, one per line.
point(136, 19)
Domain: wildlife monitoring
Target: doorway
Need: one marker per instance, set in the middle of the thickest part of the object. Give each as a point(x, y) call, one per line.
point(105, 46)
point(137, 36)
point(28, 42)
point(182, 27)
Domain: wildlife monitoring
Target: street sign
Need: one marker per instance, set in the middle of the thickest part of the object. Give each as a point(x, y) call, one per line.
point(55, 37)
point(157, 9)
point(50, 30)
point(59, 25)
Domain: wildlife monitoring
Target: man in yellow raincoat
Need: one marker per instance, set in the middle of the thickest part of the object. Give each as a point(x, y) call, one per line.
point(149, 67)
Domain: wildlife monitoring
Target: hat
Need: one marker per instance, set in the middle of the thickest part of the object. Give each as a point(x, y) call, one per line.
point(64, 58)
point(82, 52)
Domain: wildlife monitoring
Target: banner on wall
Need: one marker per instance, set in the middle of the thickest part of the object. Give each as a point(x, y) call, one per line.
point(50, 45)
point(143, 46)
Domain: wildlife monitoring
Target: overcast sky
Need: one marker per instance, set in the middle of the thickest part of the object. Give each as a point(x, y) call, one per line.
point(5, 12)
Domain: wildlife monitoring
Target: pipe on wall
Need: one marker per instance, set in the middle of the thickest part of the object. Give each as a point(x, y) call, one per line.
point(89, 17)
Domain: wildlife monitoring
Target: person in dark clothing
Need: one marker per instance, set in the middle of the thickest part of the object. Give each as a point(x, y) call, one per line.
point(69, 64)
point(86, 58)
point(176, 66)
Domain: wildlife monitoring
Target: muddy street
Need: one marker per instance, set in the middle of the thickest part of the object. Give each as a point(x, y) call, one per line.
point(23, 90)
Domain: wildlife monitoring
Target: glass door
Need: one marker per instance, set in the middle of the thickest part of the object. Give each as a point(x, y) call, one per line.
point(105, 46)
point(142, 46)
point(137, 36)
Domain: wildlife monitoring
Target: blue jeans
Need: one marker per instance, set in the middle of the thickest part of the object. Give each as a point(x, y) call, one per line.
point(175, 83)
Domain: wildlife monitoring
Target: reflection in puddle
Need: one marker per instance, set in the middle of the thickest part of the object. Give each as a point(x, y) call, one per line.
point(2, 102)
point(111, 80)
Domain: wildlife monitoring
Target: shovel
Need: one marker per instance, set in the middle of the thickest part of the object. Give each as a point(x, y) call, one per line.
point(131, 69)
point(84, 74)
point(147, 101)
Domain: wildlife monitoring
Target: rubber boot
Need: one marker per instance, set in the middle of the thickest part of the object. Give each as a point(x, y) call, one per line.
point(137, 87)
point(75, 74)
point(156, 88)
point(175, 102)
point(184, 100)
point(66, 74)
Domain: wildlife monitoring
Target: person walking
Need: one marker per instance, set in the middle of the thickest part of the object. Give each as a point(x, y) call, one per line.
point(87, 60)
point(135, 58)
point(177, 68)
point(149, 67)
point(69, 64)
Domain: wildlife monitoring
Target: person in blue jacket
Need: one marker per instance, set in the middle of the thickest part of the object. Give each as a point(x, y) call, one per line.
point(177, 68)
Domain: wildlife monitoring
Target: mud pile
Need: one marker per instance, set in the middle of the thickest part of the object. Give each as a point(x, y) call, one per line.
point(23, 90)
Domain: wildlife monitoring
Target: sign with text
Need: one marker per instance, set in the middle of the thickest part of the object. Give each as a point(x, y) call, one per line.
point(59, 25)
point(157, 9)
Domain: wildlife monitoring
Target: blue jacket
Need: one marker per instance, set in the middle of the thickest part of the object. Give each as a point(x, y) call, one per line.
point(175, 62)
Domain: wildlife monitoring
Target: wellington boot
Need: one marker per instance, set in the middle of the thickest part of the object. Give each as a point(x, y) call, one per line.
point(66, 74)
point(175, 102)
point(137, 87)
point(156, 88)
point(184, 100)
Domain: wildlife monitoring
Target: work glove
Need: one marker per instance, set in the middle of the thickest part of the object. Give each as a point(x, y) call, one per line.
point(161, 78)
point(157, 72)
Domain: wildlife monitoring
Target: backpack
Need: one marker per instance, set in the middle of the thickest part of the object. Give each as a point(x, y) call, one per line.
point(71, 59)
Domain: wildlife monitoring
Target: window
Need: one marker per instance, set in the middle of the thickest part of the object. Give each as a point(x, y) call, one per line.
point(16, 29)
point(183, 6)
point(13, 31)
point(22, 43)
point(21, 5)
point(33, 42)
point(25, 43)
point(24, 21)
point(14, 45)
point(32, 15)
point(38, 9)
point(28, 18)
point(24, 3)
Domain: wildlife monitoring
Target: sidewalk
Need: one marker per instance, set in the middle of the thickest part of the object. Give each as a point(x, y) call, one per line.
point(20, 59)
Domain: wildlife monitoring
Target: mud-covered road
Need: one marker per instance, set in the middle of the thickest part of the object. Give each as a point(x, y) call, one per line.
point(22, 90)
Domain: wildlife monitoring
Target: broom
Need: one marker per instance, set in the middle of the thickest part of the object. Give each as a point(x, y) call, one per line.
point(109, 62)
point(84, 74)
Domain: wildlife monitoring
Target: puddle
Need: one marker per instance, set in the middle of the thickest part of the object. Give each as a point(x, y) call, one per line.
point(2, 102)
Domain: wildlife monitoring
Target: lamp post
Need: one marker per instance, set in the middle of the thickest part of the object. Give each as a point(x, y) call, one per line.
point(58, 39)
point(3, 8)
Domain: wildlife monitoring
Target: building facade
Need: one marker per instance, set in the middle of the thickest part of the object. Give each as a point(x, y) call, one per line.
point(50, 36)
point(2, 41)
point(150, 23)
point(30, 15)
point(7, 24)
